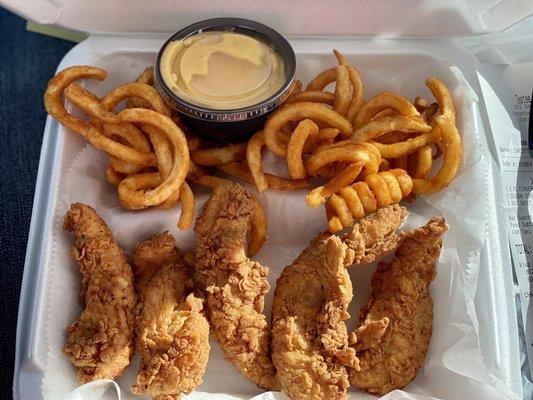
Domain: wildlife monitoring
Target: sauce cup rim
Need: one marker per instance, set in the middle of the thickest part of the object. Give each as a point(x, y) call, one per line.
point(240, 25)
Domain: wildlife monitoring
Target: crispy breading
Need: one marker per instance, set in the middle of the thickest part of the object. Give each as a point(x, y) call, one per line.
point(100, 341)
point(234, 286)
point(151, 254)
point(400, 293)
point(172, 334)
point(375, 236)
point(369, 334)
point(309, 338)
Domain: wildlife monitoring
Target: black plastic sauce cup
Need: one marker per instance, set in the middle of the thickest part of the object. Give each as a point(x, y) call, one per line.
point(236, 125)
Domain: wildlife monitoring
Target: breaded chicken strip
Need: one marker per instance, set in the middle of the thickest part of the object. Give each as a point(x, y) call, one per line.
point(311, 346)
point(235, 286)
point(172, 333)
point(100, 341)
point(375, 236)
point(309, 338)
point(400, 293)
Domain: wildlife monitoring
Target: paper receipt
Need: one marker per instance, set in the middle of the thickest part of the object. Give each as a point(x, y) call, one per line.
point(507, 94)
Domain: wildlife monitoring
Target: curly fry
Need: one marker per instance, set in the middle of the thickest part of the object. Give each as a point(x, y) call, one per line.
point(342, 91)
point(129, 195)
point(381, 102)
point(188, 206)
point(322, 80)
point(420, 163)
point(298, 111)
point(275, 182)
point(306, 131)
point(377, 191)
point(345, 151)
point(396, 123)
point(219, 155)
point(400, 149)
point(320, 194)
point(453, 150)
point(254, 159)
point(315, 96)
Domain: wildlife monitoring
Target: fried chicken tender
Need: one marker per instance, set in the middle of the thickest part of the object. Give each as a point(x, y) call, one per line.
point(235, 286)
point(309, 338)
point(100, 341)
point(312, 349)
point(172, 334)
point(375, 236)
point(400, 293)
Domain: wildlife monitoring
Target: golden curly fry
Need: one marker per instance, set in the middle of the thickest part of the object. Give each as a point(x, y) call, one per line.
point(275, 182)
point(322, 80)
point(345, 151)
point(305, 132)
point(420, 163)
point(381, 102)
point(342, 90)
point(258, 229)
point(129, 134)
point(400, 149)
point(150, 98)
point(134, 198)
point(453, 151)
point(165, 160)
point(138, 90)
point(357, 101)
point(211, 181)
point(254, 159)
point(147, 77)
point(55, 107)
point(362, 198)
point(315, 96)
point(102, 111)
point(112, 176)
point(297, 112)
point(320, 194)
point(188, 207)
point(444, 98)
point(396, 123)
point(52, 96)
point(357, 87)
point(341, 59)
point(219, 155)
point(384, 113)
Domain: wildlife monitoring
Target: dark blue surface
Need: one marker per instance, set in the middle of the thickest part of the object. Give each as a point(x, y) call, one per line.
point(27, 61)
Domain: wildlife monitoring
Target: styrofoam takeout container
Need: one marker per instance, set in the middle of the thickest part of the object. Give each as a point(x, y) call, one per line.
point(123, 47)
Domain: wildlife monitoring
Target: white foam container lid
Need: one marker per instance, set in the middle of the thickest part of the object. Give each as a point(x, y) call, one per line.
point(315, 20)
point(295, 17)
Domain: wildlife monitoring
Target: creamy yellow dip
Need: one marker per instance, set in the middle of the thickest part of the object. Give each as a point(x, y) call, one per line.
point(222, 70)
